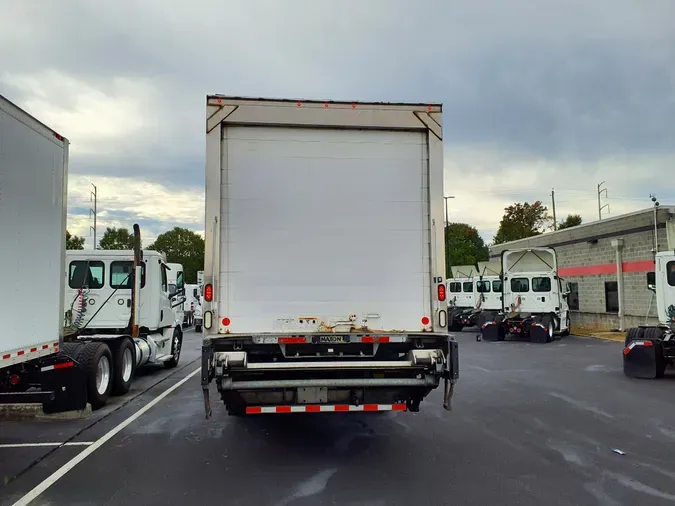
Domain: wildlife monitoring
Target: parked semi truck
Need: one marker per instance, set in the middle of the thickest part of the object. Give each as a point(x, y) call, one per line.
point(649, 350)
point(120, 315)
point(175, 278)
point(461, 297)
point(33, 194)
point(534, 297)
point(324, 287)
point(488, 291)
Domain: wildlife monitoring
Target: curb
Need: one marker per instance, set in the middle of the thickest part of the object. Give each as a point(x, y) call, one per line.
point(618, 338)
point(33, 411)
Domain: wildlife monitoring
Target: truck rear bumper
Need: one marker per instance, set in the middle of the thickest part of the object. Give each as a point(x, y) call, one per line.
point(264, 378)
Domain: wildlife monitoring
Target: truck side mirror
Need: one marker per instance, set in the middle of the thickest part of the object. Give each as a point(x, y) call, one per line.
point(651, 281)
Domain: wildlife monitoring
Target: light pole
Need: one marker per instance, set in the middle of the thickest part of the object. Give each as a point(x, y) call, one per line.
point(447, 221)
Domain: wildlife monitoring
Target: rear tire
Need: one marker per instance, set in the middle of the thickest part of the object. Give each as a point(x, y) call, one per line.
point(656, 334)
point(176, 345)
point(633, 334)
point(124, 365)
point(95, 360)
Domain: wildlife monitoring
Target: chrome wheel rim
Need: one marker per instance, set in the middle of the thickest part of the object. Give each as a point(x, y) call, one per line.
point(176, 348)
point(127, 364)
point(550, 330)
point(102, 375)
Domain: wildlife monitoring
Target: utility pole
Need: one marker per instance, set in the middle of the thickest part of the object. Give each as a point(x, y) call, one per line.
point(555, 223)
point(447, 221)
point(600, 206)
point(92, 212)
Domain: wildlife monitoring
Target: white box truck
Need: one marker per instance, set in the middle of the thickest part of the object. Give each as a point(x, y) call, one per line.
point(33, 187)
point(324, 261)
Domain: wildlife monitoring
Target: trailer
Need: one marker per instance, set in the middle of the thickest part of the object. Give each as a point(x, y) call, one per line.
point(534, 298)
point(33, 195)
point(650, 350)
point(461, 297)
point(324, 257)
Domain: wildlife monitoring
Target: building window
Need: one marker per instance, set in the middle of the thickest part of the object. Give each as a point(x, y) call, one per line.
point(611, 297)
point(468, 287)
point(573, 297)
point(86, 274)
point(520, 285)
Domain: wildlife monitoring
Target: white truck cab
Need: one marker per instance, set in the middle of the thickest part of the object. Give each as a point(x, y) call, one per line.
point(176, 282)
point(649, 350)
point(488, 291)
point(534, 297)
point(460, 287)
point(118, 317)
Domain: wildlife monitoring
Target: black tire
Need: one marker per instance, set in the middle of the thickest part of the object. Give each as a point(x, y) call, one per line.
point(176, 346)
point(90, 356)
point(198, 328)
point(124, 365)
point(633, 334)
point(547, 322)
point(655, 335)
point(72, 350)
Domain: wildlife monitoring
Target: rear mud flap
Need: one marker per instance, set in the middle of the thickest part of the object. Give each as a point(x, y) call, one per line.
point(490, 332)
point(67, 388)
point(539, 334)
point(643, 361)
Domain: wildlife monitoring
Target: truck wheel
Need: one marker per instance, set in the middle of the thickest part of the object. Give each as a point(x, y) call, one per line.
point(568, 331)
point(633, 334)
point(176, 345)
point(96, 362)
point(72, 350)
point(549, 327)
point(124, 365)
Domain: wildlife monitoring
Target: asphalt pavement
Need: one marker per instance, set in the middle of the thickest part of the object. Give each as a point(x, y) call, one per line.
point(532, 424)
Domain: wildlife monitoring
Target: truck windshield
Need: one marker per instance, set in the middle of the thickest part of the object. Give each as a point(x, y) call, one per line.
point(520, 285)
point(541, 284)
point(483, 286)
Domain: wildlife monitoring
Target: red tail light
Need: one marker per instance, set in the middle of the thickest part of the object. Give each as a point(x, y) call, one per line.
point(208, 292)
point(441, 292)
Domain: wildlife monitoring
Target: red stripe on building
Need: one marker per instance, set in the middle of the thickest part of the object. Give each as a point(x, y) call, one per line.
point(594, 270)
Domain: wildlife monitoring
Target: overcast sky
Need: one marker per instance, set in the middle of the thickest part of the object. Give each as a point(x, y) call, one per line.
point(537, 94)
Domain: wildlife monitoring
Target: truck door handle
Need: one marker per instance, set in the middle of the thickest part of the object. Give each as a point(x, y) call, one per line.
point(543, 299)
point(128, 302)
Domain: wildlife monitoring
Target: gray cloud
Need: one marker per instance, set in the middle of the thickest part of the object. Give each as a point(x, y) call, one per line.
point(574, 83)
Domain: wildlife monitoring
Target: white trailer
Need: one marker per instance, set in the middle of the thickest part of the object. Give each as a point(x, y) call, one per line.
point(324, 256)
point(649, 350)
point(33, 189)
point(534, 297)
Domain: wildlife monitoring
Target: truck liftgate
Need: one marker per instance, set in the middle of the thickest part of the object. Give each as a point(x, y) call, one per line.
point(327, 373)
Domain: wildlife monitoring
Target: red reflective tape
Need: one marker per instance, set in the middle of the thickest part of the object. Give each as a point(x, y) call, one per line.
point(33, 350)
point(638, 266)
point(398, 407)
point(5, 357)
point(384, 339)
point(371, 407)
point(292, 340)
point(313, 409)
point(283, 409)
point(55, 344)
point(64, 365)
point(253, 410)
point(342, 407)
point(19, 353)
point(45, 346)
point(367, 339)
point(626, 351)
point(648, 344)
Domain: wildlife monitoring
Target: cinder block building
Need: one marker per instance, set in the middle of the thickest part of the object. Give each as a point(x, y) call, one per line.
point(606, 263)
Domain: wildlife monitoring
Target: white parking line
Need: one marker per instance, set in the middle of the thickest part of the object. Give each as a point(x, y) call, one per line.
point(61, 472)
point(30, 445)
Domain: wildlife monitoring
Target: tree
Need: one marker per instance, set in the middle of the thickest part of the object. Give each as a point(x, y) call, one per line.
point(521, 221)
point(463, 246)
point(572, 220)
point(73, 241)
point(182, 246)
point(116, 238)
